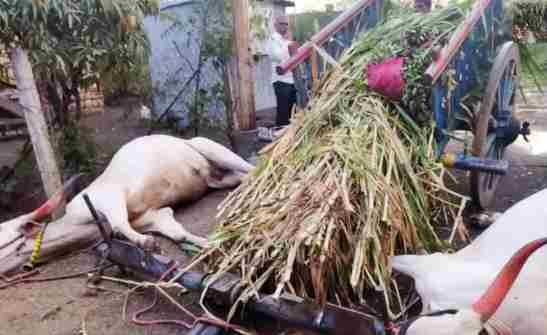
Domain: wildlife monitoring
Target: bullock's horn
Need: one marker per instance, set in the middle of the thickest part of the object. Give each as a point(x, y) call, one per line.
point(56, 200)
point(487, 305)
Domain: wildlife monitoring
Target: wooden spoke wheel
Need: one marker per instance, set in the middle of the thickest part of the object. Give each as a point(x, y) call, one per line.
point(498, 102)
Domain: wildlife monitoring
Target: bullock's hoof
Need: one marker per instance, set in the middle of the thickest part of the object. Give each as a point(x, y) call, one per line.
point(149, 244)
point(253, 160)
point(484, 219)
point(203, 243)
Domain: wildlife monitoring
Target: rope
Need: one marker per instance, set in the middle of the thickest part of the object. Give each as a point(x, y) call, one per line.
point(136, 318)
point(25, 277)
point(35, 256)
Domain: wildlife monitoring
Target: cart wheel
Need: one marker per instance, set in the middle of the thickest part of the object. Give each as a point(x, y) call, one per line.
point(498, 102)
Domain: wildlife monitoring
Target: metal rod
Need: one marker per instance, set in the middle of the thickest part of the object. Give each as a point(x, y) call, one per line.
point(449, 51)
point(472, 163)
point(95, 215)
point(323, 35)
point(296, 311)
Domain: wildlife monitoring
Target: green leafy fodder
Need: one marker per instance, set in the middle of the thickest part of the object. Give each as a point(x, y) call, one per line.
point(353, 181)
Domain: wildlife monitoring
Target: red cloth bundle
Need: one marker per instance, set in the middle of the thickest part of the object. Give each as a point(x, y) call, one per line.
point(387, 78)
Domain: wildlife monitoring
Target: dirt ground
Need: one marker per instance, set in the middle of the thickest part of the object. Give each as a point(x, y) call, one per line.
point(68, 307)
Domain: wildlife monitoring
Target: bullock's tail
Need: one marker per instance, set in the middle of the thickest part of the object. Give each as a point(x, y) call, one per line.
point(220, 155)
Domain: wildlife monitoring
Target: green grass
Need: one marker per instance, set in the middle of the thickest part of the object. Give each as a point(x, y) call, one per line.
point(534, 66)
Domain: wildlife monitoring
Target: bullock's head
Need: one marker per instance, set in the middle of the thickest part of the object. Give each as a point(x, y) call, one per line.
point(471, 321)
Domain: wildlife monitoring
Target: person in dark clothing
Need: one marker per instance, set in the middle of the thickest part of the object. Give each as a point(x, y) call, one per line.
point(285, 94)
point(423, 6)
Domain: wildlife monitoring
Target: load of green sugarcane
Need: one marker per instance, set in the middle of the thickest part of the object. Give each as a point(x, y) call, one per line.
point(353, 180)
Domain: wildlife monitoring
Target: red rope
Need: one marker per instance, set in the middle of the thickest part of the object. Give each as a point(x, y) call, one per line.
point(138, 313)
point(172, 268)
point(19, 276)
point(24, 277)
point(135, 319)
point(182, 323)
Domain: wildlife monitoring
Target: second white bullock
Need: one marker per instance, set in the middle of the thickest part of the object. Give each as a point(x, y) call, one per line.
point(480, 284)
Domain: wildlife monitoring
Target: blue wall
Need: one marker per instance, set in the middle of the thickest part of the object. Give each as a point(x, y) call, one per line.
point(170, 70)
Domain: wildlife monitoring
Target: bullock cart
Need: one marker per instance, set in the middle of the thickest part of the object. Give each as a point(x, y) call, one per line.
point(475, 78)
point(221, 292)
point(478, 63)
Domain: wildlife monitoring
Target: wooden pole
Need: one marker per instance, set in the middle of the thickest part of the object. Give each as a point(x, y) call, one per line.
point(314, 67)
point(36, 123)
point(245, 113)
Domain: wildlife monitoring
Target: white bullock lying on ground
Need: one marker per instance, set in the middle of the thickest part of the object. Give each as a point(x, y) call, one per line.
point(144, 177)
point(465, 280)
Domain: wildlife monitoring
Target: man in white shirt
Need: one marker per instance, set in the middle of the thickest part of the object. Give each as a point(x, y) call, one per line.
point(280, 50)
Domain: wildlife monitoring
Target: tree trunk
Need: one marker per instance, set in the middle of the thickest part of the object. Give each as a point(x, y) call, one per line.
point(54, 100)
point(67, 100)
point(36, 123)
point(229, 103)
point(78, 101)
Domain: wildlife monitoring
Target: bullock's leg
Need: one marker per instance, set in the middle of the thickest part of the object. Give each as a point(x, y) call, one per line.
point(227, 180)
point(163, 221)
point(110, 201)
point(116, 213)
point(484, 219)
point(220, 155)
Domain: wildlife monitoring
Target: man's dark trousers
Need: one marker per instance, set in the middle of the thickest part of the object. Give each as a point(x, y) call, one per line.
point(285, 94)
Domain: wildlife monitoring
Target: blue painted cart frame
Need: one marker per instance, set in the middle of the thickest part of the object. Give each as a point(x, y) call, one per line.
point(333, 39)
point(479, 64)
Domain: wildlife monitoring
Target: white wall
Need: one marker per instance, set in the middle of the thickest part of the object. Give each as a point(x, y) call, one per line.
point(309, 5)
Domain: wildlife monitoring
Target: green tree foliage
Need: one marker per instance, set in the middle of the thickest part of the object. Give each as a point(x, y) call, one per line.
point(531, 15)
point(307, 24)
point(68, 41)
